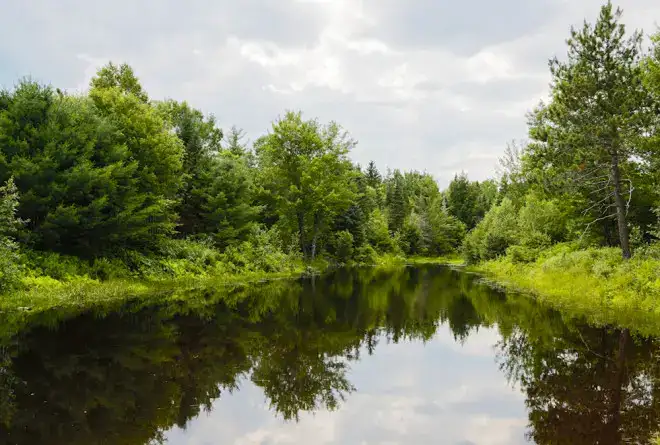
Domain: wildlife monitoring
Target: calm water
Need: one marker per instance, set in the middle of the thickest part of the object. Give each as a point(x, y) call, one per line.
point(421, 355)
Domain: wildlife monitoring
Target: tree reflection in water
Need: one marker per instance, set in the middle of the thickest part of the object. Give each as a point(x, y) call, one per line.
point(126, 375)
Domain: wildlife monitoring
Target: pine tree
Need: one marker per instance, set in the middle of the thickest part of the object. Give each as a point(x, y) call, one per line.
point(396, 203)
point(373, 176)
point(599, 111)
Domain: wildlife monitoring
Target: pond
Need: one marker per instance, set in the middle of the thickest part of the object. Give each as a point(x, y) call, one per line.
point(411, 355)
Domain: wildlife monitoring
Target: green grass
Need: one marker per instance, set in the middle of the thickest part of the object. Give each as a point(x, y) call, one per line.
point(39, 293)
point(46, 293)
point(595, 283)
point(447, 260)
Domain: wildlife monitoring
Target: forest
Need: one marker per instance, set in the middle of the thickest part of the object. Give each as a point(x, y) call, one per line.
point(112, 184)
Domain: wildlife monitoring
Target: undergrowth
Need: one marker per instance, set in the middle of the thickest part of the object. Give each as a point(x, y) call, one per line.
point(595, 282)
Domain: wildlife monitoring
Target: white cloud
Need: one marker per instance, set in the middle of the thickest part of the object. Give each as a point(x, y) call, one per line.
point(406, 393)
point(440, 86)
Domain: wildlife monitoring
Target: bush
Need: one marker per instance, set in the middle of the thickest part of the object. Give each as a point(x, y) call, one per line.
point(493, 235)
point(341, 246)
point(541, 217)
point(377, 232)
point(262, 253)
point(366, 255)
point(536, 226)
point(447, 233)
point(522, 254)
point(55, 265)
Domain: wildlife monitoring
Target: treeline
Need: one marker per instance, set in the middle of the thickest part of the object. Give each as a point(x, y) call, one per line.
point(589, 173)
point(114, 183)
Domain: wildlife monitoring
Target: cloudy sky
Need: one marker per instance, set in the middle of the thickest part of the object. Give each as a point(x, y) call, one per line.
point(434, 85)
point(406, 393)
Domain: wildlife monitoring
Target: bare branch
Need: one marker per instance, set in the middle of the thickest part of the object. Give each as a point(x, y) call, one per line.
point(594, 222)
point(630, 192)
point(609, 195)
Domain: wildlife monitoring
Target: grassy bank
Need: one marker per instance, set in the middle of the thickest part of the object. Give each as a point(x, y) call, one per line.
point(595, 283)
point(65, 282)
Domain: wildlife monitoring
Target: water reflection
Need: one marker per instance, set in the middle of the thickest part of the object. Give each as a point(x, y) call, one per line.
point(410, 355)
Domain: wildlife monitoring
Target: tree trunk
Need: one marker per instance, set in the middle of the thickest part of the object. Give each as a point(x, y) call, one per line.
point(624, 237)
point(316, 235)
point(301, 231)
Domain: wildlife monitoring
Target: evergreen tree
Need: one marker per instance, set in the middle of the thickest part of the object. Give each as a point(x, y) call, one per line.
point(396, 202)
point(462, 196)
point(201, 140)
point(598, 113)
point(373, 176)
point(88, 184)
point(234, 142)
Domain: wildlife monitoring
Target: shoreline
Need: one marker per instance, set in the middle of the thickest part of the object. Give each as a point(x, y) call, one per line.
point(626, 294)
point(82, 292)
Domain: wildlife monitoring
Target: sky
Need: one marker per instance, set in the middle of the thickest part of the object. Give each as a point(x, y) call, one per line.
point(406, 393)
point(432, 85)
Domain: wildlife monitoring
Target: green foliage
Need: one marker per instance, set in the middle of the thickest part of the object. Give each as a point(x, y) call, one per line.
point(372, 175)
point(396, 202)
point(94, 175)
point(201, 140)
point(230, 213)
point(377, 232)
point(10, 268)
point(446, 233)
point(595, 281)
point(341, 247)
point(263, 252)
point(121, 77)
point(305, 168)
point(521, 233)
point(494, 234)
point(589, 135)
point(541, 219)
point(412, 240)
point(366, 255)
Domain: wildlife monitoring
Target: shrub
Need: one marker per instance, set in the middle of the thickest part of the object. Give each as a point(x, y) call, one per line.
point(366, 255)
point(541, 217)
point(377, 232)
point(522, 254)
point(493, 235)
point(341, 246)
point(10, 270)
point(262, 253)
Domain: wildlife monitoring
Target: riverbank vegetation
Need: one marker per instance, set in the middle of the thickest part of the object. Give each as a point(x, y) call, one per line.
point(112, 185)
point(576, 216)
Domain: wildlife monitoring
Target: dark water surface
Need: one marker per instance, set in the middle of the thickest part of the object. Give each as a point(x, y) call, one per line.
point(422, 355)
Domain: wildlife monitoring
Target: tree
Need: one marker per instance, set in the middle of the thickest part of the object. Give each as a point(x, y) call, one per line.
point(462, 196)
point(598, 112)
point(9, 226)
point(305, 168)
point(446, 232)
point(234, 142)
point(396, 202)
point(122, 77)
point(200, 139)
point(373, 176)
point(91, 179)
point(229, 211)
